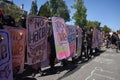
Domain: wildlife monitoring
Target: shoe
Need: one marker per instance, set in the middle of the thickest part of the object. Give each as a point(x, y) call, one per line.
point(41, 73)
point(33, 75)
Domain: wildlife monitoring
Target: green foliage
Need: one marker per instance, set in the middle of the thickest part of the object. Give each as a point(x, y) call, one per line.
point(106, 29)
point(80, 14)
point(13, 10)
point(63, 10)
point(94, 24)
point(44, 10)
point(118, 31)
point(34, 8)
point(60, 9)
point(53, 7)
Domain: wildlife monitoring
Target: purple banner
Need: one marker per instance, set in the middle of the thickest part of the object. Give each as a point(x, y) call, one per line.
point(5, 56)
point(72, 39)
point(36, 39)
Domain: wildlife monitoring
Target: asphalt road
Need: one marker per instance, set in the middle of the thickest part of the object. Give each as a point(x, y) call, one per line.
point(106, 66)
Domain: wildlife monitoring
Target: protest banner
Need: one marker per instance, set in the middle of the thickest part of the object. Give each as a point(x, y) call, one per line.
point(79, 40)
point(95, 39)
point(100, 39)
point(5, 56)
point(72, 39)
point(61, 38)
point(46, 62)
point(18, 43)
point(36, 39)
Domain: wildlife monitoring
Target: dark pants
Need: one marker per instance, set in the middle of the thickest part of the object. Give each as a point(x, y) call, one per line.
point(89, 50)
point(52, 59)
point(83, 50)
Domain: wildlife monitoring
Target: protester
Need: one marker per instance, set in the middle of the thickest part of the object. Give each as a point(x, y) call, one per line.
point(53, 51)
point(23, 22)
point(36, 69)
point(113, 40)
point(89, 41)
point(108, 40)
point(83, 46)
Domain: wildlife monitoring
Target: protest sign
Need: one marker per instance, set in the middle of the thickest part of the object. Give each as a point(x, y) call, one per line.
point(79, 40)
point(61, 38)
point(95, 39)
point(5, 56)
point(72, 39)
point(100, 39)
point(36, 39)
point(18, 43)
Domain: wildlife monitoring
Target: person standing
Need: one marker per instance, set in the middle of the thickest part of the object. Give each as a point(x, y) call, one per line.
point(89, 41)
point(83, 45)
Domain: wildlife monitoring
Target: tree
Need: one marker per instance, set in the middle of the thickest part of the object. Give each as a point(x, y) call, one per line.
point(33, 10)
point(60, 9)
point(80, 14)
point(63, 11)
point(44, 10)
point(53, 7)
point(106, 29)
point(12, 10)
point(94, 24)
point(118, 31)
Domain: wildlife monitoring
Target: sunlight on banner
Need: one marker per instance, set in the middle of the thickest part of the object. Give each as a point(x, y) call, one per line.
point(61, 38)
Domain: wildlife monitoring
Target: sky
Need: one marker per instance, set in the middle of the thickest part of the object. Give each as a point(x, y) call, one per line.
point(105, 11)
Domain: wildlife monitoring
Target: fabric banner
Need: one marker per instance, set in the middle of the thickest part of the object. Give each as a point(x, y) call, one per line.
point(61, 38)
point(18, 43)
point(5, 56)
point(46, 62)
point(95, 39)
point(79, 41)
point(100, 38)
point(72, 39)
point(36, 39)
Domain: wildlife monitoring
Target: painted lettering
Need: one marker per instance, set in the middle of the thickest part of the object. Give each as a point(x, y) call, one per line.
point(3, 51)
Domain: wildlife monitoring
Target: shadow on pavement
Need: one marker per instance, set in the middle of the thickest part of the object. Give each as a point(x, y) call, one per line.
point(71, 67)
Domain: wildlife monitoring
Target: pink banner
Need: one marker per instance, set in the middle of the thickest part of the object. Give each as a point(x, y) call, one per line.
point(5, 57)
point(18, 42)
point(61, 38)
point(72, 39)
point(36, 39)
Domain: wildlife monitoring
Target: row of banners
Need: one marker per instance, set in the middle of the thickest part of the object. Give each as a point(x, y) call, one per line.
point(13, 42)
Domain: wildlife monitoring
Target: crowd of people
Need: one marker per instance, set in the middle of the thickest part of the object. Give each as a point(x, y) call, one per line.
point(86, 52)
point(112, 40)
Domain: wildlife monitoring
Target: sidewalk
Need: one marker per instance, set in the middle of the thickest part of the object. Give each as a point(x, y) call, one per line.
point(103, 67)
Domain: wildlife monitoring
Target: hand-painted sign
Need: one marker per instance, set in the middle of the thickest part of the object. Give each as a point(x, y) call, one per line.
point(61, 38)
point(79, 40)
point(72, 39)
point(5, 56)
point(36, 39)
point(18, 40)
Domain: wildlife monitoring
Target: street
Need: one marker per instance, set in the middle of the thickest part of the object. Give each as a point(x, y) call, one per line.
point(106, 66)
